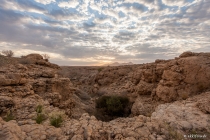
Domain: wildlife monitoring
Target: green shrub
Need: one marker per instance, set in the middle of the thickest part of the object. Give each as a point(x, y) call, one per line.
point(40, 118)
point(101, 102)
point(100, 69)
point(9, 116)
point(56, 120)
point(39, 109)
point(114, 106)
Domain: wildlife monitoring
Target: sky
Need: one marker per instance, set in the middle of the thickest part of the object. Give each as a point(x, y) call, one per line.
point(98, 32)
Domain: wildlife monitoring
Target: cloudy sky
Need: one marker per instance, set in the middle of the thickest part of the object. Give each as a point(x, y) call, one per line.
point(95, 32)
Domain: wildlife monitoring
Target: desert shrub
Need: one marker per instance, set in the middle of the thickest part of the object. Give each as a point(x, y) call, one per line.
point(9, 116)
point(101, 102)
point(46, 57)
point(112, 106)
point(100, 69)
point(39, 109)
point(56, 119)
point(8, 53)
point(40, 118)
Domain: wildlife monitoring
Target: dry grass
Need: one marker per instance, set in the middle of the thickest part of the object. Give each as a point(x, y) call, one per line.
point(57, 118)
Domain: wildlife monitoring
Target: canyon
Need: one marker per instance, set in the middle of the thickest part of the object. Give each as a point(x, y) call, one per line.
point(169, 99)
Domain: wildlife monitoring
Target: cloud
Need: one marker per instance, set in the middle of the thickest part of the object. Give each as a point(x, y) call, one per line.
point(29, 5)
point(69, 4)
point(175, 3)
point(22, 6)
point(45, 2)
point(87, 32)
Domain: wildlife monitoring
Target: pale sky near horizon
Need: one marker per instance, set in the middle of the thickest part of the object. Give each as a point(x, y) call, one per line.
point(96, 32)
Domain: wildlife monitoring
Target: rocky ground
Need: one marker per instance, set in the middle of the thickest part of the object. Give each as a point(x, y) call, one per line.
point(170, 99)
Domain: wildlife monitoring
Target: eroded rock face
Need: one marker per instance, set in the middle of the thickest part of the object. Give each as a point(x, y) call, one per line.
point(186, 75)
point(12, 79)
point(6, 103)
point(185, 115)
point(38, 59)
point(24, 86)
point(162, 81)
point(148, 86)
point(143, 106)
point(10, 131)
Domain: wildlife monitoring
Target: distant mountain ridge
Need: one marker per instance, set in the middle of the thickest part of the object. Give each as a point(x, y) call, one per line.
point(119, 64)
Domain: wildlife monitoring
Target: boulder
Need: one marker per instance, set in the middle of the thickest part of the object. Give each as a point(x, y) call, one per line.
point(34, 56)
point(186, 54)
point(10, 131)
point(184, 115)
point(144, 88)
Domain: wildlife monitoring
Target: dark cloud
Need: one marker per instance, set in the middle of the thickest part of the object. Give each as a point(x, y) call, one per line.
point(58, 12)
point(146, 48)
point(8, 16)
point(124, 36)
point(89, 25)
point(28, 4)
point(50, 21)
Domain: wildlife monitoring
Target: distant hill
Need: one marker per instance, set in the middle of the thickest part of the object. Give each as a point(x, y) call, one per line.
point(119, 64)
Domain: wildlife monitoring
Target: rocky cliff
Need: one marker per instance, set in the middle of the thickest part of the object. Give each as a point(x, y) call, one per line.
point(170, 99)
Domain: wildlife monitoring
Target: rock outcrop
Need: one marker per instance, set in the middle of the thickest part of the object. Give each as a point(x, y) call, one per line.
point(186, 114)
point(171, 99)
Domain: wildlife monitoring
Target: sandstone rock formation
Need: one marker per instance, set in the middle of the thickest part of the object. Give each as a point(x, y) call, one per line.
point(171, 99)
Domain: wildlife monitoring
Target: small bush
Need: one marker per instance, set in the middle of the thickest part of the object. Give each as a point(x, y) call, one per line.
point(112, 106)
point(39, 109)
point(101, 102)
point(40, 118)
point(56, 119)
point(9, 116)
point(46, 57)
point(100, 69)
point(8, 53)
point(40, 115)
